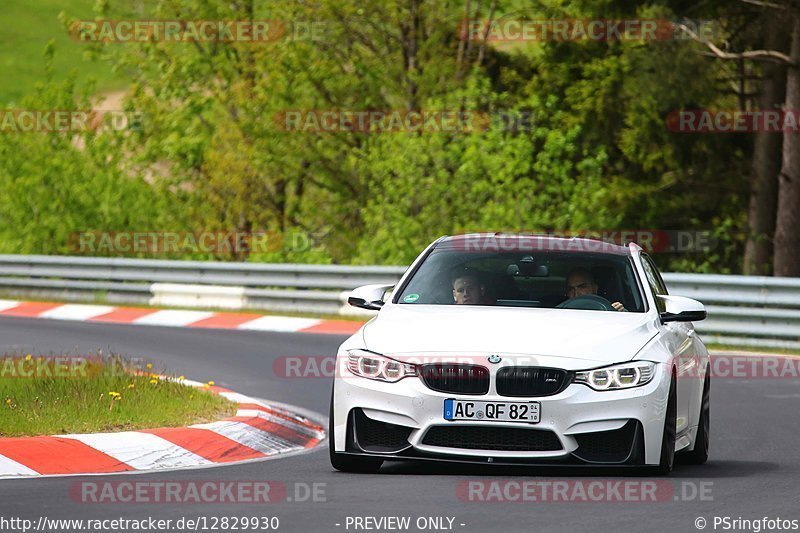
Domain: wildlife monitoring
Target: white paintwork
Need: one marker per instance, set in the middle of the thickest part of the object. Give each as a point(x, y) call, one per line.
point(246, 413)
point(191, 383)
point(142, 451)
point(8, 304)
point(249, 436)
point(681, 304)
point(172, 318)
point(279, 323)
point(608, 337)
point(11, 468)
point(76, 312)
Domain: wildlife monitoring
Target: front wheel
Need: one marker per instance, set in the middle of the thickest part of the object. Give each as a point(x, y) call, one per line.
point(668, 439)
point(349, 463)
point(699, 455)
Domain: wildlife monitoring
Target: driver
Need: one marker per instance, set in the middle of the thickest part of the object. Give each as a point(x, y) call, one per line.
point(580, 282)
point(468, 289)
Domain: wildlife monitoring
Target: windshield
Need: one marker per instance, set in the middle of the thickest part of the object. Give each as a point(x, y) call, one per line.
point(567, 280)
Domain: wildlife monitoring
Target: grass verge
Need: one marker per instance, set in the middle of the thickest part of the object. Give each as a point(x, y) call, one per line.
point(29, 26)
point(51, 395)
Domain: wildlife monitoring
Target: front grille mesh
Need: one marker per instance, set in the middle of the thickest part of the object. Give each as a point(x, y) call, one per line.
point(456, 378)
point(492, 438)
point(531, 381)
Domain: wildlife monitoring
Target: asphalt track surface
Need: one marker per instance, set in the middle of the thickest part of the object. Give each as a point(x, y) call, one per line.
point(753, 471)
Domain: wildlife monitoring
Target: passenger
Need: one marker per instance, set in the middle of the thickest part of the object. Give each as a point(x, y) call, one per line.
point(580, 282)
point(468, 289)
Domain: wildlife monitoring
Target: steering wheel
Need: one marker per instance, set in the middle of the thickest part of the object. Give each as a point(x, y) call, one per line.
point(590, 302)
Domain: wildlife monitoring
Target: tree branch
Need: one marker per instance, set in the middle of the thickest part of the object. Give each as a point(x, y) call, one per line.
point(761, 3)
point(486, 33)
point(755, 55)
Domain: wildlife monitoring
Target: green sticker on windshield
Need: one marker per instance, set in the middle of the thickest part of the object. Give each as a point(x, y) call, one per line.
point(411, 298)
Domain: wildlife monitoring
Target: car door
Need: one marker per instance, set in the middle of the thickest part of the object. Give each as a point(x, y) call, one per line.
point(677, 337)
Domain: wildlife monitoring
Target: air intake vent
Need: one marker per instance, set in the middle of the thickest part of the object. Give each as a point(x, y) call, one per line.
point(375, 436)
point(492, 438)
point(611, 447)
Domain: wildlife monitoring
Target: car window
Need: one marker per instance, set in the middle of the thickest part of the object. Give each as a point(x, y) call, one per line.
point(589, 281)
point(654, 280)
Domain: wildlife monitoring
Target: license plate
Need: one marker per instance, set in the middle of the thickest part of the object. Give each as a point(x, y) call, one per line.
point(529, 412)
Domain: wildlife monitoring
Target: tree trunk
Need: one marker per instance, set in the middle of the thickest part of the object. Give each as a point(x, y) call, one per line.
point(787, 225)
point(766, 162)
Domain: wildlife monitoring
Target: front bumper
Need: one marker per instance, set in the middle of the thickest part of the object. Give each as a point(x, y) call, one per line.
point(404, 420)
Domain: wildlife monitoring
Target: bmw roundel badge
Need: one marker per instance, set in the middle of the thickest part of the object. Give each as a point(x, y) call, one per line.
point(494, 359)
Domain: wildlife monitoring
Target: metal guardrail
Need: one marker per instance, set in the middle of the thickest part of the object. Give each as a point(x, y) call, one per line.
point(291, 288)
point(756, 311)
point(196, 272)
point(742, 310)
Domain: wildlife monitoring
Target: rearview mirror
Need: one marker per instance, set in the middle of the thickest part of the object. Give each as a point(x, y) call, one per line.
point(368, 297)
point(681, 309)
point(528, 270)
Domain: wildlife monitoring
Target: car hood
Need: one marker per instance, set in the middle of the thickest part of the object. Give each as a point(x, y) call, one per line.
point(553, 335)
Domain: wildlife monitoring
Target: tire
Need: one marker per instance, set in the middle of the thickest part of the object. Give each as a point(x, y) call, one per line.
point(699, 455)
point(668, 438)
point(349, 463)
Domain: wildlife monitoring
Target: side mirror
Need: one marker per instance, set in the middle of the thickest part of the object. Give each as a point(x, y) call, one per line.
point(368, 297)
point(681, 309)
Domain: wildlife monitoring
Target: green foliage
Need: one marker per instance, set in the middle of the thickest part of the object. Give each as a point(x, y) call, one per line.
point(592, 150)
point(55, 184)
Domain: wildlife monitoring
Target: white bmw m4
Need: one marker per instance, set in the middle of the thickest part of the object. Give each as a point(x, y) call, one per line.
point(523, 349)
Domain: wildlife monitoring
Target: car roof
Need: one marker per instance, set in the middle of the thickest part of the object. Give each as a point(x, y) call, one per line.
point(528, 242)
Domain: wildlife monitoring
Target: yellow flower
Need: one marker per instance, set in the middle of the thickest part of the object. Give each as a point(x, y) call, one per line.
point(149, 366)
point(181, 378)
point(210, 383)
point(153, 381)
point(28, 357)
point(131, 386)
point(8, 401)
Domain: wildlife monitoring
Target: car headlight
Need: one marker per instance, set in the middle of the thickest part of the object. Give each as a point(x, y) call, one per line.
point(374, 366)
point(624, 376)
